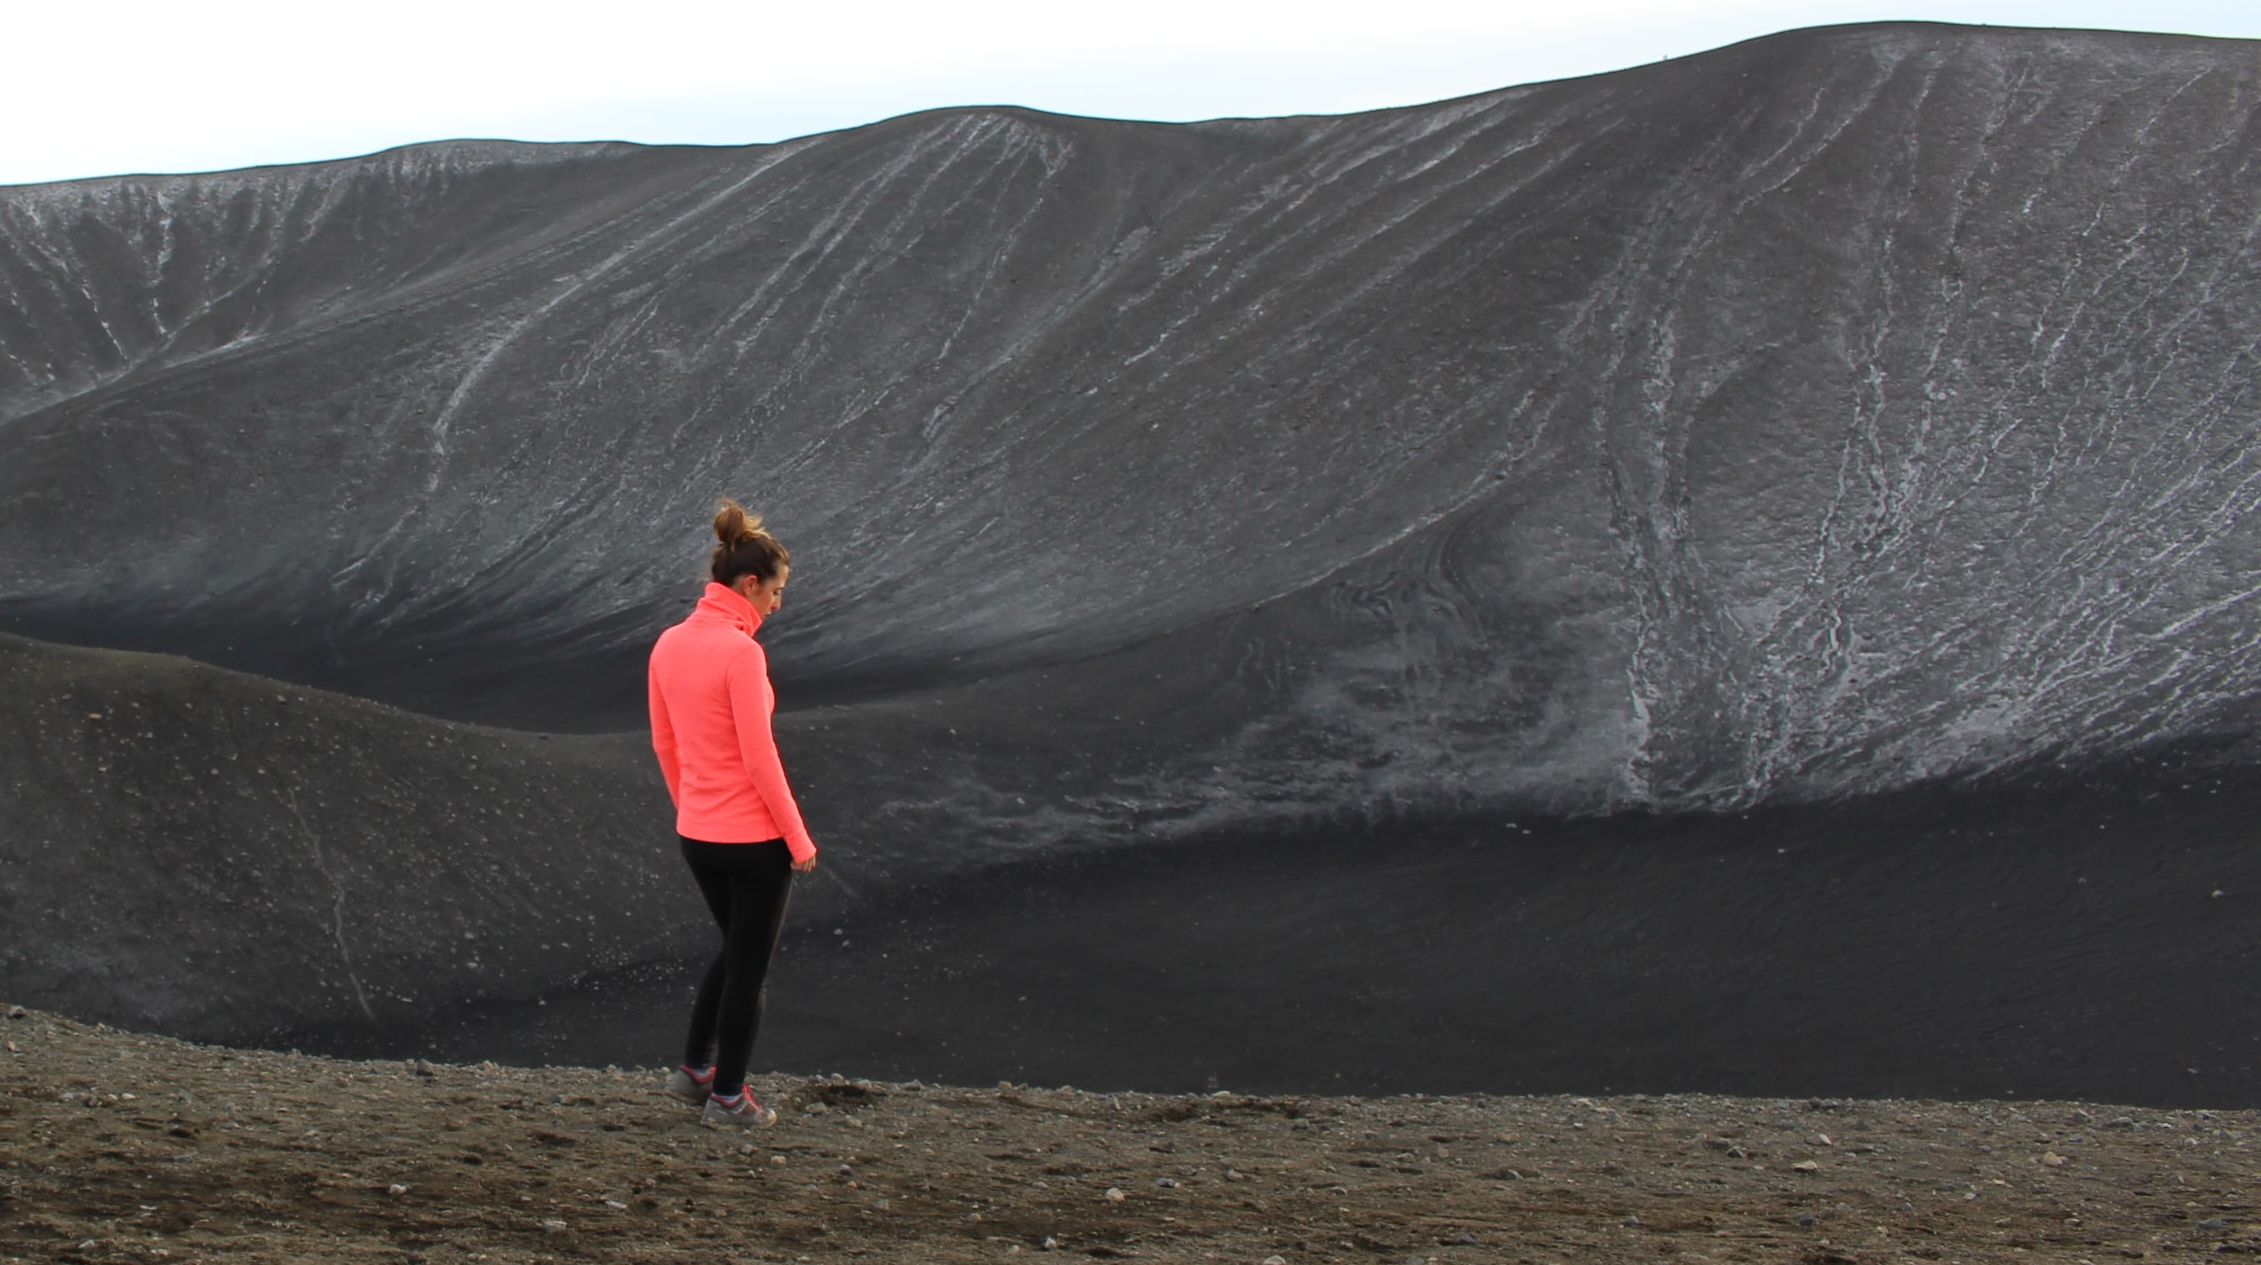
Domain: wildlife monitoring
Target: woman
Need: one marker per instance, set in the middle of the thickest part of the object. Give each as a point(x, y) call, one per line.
point(742, 833)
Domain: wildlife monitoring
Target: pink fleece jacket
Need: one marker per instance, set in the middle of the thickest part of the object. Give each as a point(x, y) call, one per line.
point(711, 703)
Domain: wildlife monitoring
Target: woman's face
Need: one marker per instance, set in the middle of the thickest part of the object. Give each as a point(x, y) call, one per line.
point(766, 596)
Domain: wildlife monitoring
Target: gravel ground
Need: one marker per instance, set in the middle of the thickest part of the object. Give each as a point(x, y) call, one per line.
point(118, 1147)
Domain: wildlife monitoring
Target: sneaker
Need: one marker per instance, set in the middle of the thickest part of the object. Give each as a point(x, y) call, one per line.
point(689, 1084)
point(740, 1110)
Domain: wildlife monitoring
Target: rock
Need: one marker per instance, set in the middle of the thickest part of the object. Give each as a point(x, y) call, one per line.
point(396, 1190)
point(1807, 1166)
point(551, 1225)
point(1166, 1183)
point(17, 1012)
point(1115, 1195)
point(2054, 1160)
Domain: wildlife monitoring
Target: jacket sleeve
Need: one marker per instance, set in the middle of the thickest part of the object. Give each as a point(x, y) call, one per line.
point(751, 702)
point(663, 740)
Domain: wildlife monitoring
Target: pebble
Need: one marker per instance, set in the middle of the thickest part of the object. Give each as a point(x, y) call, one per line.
point(17, 1012)
point(816, 1108)
point(396, 1190)
point(1166, 1183)
point(1275, 1260)
point(1115, 1195)
point(1806, 1166)
point(551, 1225)
point(2054, 1160)
point(1051, 1244)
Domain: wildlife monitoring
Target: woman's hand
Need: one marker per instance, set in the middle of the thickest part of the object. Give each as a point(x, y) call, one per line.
point(804, 866)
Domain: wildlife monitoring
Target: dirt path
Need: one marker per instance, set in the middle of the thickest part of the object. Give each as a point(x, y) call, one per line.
point(116, 1147)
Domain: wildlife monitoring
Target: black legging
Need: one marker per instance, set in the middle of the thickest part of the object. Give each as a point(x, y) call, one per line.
point(746, 885)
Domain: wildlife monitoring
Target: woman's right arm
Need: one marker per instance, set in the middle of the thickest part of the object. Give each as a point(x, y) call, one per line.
point(751, 703)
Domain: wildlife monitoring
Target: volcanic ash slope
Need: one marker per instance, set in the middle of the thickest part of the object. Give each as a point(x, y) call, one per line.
point(212, 855)
point(1821, 415)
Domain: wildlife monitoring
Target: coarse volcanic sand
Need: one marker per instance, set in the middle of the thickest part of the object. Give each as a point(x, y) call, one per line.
point(119, 1147)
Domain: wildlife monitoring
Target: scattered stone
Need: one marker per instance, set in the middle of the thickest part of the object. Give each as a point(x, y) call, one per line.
point(1115, 1195)
point(1166, 1183)
point(18, 1012)
point(2054, 1160)
point(551, 1225)
point(816, 1108)
point(1807, 1166)
point(396, 1190)
point(1051, 1244)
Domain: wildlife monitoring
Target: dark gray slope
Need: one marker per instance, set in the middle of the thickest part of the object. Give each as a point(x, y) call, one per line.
point(208, 854)
point(2091, 940)
point(215, 856)
point(1812, 417)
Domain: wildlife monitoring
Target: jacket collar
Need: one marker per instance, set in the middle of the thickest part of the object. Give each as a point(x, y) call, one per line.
point(724, 603)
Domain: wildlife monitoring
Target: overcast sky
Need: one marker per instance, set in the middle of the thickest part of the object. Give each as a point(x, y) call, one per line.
point(103, 89)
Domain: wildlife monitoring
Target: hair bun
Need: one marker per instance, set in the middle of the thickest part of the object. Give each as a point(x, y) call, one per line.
point(733, 527)
point(746, 548)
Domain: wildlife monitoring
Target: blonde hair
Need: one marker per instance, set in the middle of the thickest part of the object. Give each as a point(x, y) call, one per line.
point(744, 547)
